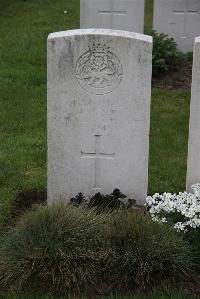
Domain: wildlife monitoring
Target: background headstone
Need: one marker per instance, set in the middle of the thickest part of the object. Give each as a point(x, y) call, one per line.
point(112, 14)
point(193, 167)
point(99, 91)
point(179, 19)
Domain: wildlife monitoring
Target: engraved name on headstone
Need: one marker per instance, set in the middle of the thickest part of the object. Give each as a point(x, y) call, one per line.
point(99, 91)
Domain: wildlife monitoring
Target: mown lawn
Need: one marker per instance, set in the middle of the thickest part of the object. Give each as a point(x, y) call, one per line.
point(24, 27)
point(148, 15)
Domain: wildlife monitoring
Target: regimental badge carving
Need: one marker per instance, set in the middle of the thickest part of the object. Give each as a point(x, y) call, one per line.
point(98, 70)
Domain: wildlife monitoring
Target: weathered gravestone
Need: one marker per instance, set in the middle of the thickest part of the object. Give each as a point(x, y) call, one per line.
point(99, 90)
point(113, 14)
point(193, 167)
point(180, 19)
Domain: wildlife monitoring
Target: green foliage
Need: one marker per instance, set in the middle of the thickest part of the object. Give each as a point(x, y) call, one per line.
point(102, 203)
point(166, 56)
point(53, 250)
point(146, 253)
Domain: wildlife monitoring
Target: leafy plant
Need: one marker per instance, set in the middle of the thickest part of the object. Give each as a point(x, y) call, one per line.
point(103, 203)
point(53, 250)
point(166, 56)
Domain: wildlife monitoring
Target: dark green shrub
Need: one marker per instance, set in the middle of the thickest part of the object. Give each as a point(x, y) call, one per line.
point(53, 249)
point(166, 56)
point(145, 252)
point(102, 203)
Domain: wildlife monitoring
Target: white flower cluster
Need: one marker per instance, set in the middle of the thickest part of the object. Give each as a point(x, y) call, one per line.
point(187, 204)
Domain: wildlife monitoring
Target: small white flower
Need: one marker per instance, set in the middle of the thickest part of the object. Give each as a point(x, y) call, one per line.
point(179, 226)
point(164, 220)
point(65, 11)
point(187, 204)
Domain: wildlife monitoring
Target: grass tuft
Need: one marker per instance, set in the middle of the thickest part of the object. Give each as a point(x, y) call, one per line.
point(146, 253)
point(53, 250)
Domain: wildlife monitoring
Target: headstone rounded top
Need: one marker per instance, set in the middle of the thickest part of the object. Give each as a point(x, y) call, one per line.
point(197, 39)
point(103, 32)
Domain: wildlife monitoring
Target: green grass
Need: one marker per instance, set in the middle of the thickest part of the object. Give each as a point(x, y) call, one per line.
point(24, 28)
point(154, 295)
point(168, 140)
point(148, 15)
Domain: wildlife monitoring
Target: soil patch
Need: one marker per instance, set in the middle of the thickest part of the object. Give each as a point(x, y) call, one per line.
point(26, 200)
point(179, 79)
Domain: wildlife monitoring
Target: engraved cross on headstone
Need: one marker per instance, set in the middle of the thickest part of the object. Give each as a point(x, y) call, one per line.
point(112, 12)
point(97, 156)
point(186, 13)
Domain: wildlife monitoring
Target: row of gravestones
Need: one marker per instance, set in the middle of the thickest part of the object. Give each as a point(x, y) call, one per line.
point(99, 94)
point(180, 19)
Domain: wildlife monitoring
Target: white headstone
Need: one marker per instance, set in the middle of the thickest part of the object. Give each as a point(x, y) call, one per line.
point(193, 166)
point(99, 91)
point(112, 14)
point(180, 19)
